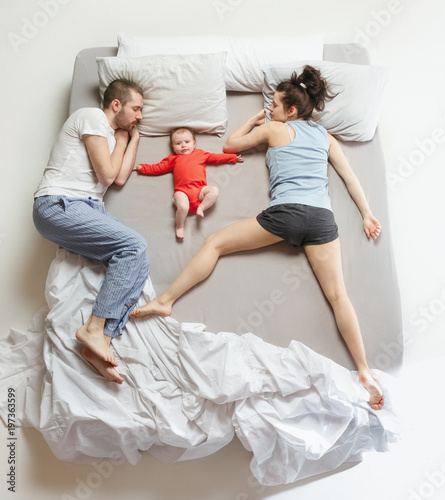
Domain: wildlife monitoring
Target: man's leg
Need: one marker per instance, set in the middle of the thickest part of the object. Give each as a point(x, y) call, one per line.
point(83, 227)
point(91, 334)
point(105, 369)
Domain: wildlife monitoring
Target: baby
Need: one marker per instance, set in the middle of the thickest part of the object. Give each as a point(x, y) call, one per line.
point(192, 194)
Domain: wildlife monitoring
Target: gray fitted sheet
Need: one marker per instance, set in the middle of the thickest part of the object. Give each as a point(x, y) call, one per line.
point(270, 292)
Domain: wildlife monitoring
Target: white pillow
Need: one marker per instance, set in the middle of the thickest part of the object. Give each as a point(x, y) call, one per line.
point(353, 114)
point(178, 90)
point(246, 55)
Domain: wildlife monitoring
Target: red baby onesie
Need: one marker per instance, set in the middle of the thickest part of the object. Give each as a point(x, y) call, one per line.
point(188, 171)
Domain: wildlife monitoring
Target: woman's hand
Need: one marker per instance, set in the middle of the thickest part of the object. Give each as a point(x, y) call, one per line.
point(372, 227)
point(259, 118)
point(248, 135)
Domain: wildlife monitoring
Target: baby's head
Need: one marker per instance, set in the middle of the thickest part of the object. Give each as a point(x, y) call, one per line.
point(182, 140)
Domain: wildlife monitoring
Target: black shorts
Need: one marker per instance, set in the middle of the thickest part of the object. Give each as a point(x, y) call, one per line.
point(299, 225)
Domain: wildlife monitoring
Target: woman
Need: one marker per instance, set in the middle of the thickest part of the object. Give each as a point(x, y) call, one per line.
point(300, 210)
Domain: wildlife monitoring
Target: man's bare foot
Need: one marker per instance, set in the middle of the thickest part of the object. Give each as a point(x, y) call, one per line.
point(104, 368)
point(180, 233)
point(92, 336)
point(153, 307)
point(377, 398)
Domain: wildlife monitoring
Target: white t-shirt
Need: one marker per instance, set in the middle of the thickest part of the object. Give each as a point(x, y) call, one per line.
point(69, 171)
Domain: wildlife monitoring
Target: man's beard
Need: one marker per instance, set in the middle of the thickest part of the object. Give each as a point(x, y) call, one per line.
point(122, 123)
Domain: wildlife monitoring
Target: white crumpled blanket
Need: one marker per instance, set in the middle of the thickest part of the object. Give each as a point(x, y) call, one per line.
point(186, 391)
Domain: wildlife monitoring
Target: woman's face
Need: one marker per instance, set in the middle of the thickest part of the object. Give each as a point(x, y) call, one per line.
point(277, 111)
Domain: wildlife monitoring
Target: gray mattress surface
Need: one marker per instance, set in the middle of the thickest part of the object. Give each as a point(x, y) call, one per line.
point(271, 292)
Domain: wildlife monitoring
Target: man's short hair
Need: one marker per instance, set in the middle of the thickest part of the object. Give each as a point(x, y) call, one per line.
point(121, 90)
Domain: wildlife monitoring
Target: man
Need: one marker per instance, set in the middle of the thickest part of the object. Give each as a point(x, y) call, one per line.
point(96, 148)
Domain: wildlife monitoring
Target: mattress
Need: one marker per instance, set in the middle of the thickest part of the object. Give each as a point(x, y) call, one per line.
point(272, 291)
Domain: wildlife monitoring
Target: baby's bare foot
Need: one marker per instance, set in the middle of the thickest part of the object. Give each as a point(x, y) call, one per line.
point(104, 368)
point(180, 232)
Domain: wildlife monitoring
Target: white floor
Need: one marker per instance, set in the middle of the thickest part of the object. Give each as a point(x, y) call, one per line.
point(40, 41)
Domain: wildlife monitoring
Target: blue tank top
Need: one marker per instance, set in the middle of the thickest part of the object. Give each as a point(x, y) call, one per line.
point(298, 170)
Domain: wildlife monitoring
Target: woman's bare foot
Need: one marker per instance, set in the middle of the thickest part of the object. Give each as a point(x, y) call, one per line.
point(153, 307)
point(91, 334)
point(104, 368)
point(373, 387)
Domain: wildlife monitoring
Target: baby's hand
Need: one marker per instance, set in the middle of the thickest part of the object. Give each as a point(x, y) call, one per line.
point(136, 168)
point(239, 159)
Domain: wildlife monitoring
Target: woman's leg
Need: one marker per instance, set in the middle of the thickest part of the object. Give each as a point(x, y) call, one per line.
point(247, 234)
point(327, 265)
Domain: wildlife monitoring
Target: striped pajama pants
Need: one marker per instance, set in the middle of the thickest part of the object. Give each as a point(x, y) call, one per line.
point(84, 227)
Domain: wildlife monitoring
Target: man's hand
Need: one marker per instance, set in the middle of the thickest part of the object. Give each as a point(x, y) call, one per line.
point(134, 133)
point(131, 146)
point(106, 166)
point(121, 135)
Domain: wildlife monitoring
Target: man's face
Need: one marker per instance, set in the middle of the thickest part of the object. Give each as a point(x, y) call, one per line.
point(130, 114)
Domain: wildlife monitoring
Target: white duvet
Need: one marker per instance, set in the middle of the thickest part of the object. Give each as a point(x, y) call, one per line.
point(186, 393)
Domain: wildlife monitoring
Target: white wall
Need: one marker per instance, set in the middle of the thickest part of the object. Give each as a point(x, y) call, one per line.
point(40, 39)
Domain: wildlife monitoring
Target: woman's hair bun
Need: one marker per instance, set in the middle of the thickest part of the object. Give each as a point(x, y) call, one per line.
point(306, 91)
point(315, 85)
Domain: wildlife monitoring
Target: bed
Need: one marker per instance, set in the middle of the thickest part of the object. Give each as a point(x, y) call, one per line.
point(253, 351)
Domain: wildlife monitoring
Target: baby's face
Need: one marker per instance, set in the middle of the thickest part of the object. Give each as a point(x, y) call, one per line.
point(183, 143)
